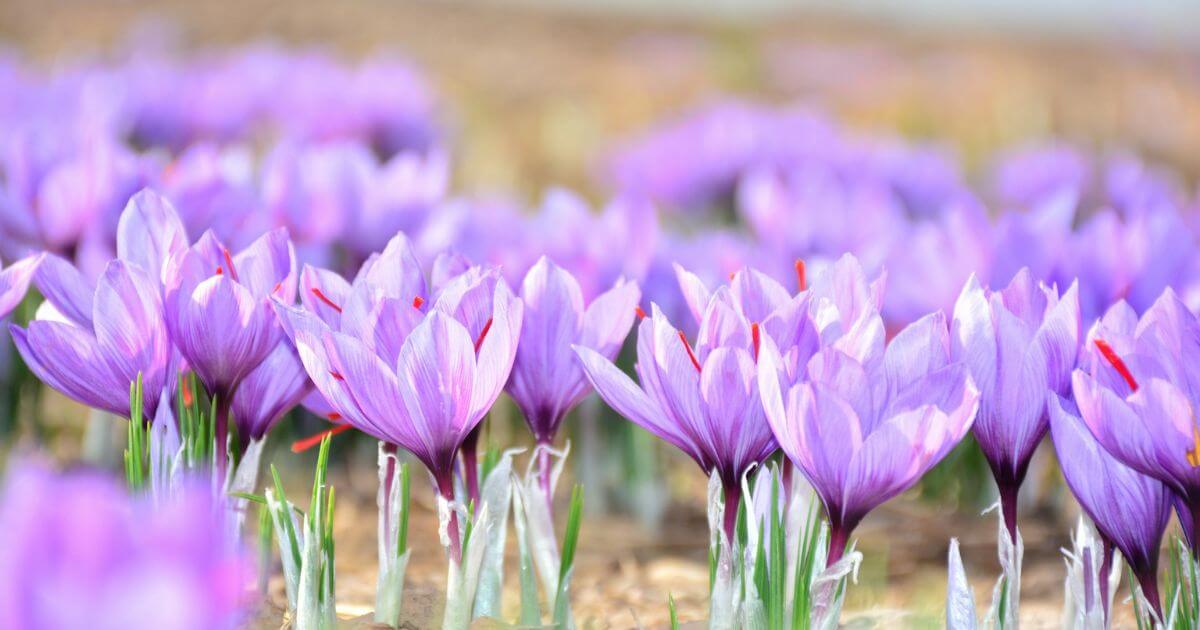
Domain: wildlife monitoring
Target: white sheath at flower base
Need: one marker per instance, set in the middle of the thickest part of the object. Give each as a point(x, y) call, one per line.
point(462, 577)
point(540, 523)
point(389, 587)
point(315, 606)
point(166, 452)
point(291, 570)
point(496, 493)
point(960, 600)
point(1006, 596)
point(1083, 608)
point(799, 506)
point(244, 480)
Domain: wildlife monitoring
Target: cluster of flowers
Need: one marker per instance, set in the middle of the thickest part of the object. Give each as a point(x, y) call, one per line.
point(346, 282)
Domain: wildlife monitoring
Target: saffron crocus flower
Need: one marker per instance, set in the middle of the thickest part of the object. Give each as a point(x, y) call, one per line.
point(1139, 398)
point(702, 400)
point(91, 342)
point(427, 393)
point(864, 428)
point(14, 282)
point(546, 380)
point(1130, 509)
point(1019, 344)
point(272, 389)
point(219, 312)
point(81, 553)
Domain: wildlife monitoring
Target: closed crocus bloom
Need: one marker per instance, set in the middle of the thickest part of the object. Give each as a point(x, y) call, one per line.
point(428, 392)
point(81, 553)
point(269, 391)
point(1139, 399)
point(703, 400)
point(1130, 509)
point(865, 428)
point(546, 380)
point(14, 282)
point(1019, 344)
point(219, 311)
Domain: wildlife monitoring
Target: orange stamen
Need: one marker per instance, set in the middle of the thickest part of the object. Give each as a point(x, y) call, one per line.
point(324, 298)
point(688, 347)
point(640, 313)
point(1111, 356)
point(229, 262)
point(1193, 455)
point(801, 275)
point(754, 337)
point(418, 301)
point(482, 334)
point(299, 446)
point(188, 399)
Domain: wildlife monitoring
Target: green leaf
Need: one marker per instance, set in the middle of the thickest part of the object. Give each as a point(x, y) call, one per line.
point(405, 495)
point(570, 541)
point(674, 613)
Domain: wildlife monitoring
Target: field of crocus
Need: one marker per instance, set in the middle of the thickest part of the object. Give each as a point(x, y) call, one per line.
point(317, 337)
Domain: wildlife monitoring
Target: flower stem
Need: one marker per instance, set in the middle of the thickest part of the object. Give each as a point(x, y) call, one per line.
point(1008, 507)
point(545, 474)
point(470, 460)
point(733, 497)
point(446, 489)
point(1105, 567)
point(838, 536)
point(221, 432)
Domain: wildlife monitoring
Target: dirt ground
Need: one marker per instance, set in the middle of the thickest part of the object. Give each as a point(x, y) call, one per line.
point(533, 97)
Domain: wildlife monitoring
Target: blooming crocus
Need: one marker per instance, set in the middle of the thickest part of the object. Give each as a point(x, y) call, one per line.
point(1130, 509)
point(546, 380)
point(1140, 396)
point(428, 392)
point(218, 309)
point(1019, 344)
point(703, 400)
point(81, 553)
point(92, 342)
point(864, 428)
point(14, 282)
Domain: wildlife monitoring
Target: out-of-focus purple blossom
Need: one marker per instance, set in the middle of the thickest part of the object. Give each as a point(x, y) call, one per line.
point(1019, 344)
point(546, 380)
point(1137, 394)
point(932, 260)
point(1028, 176)
point(213, 188)
point(1130, 510)
point(14, 282)
point(82, 553)
point(704, 401)
point(865, 427)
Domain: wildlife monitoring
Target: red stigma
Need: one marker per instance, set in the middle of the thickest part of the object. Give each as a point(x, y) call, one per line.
point(688, 347)
point(321, 296)
point(1111, 356)
point(482, 334)
point(801, 275)
point(639, 312)
point(754, 337)
point(278, 286)
point(418, 301)
point(334, 416)
point(187, 394)
point(220, 271)
point(229, 263)
point(337, 375)
point(299, 446)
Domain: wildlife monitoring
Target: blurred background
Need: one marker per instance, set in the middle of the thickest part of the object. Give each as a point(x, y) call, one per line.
point(522, 97)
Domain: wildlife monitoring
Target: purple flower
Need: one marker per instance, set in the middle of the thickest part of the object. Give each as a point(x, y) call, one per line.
point(546, 380)
point(865, 428)
point(218, 309)
point(427, 392)
point(1130, 510)
point(80, 552)
point(14, 282)
point(1019, 344)
point(91, 342)
point(269, 391)
point(219, 305)
point(703, 400)
point(1138, 395)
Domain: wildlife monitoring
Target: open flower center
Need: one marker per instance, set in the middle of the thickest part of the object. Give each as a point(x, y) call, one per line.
point(1111, 356)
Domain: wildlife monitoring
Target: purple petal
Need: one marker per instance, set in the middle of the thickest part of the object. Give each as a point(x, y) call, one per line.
point(324, 293)
point(223, 331)
point(269, 391)
point(64, 287)
point(66, 358)
point(130, 332)
point(149, 232)
point(14, 282)
point(268, 266)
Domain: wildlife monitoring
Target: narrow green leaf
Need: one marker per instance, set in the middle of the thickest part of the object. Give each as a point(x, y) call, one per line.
point(570, 542)
point(405, 495)
point(674, 613)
